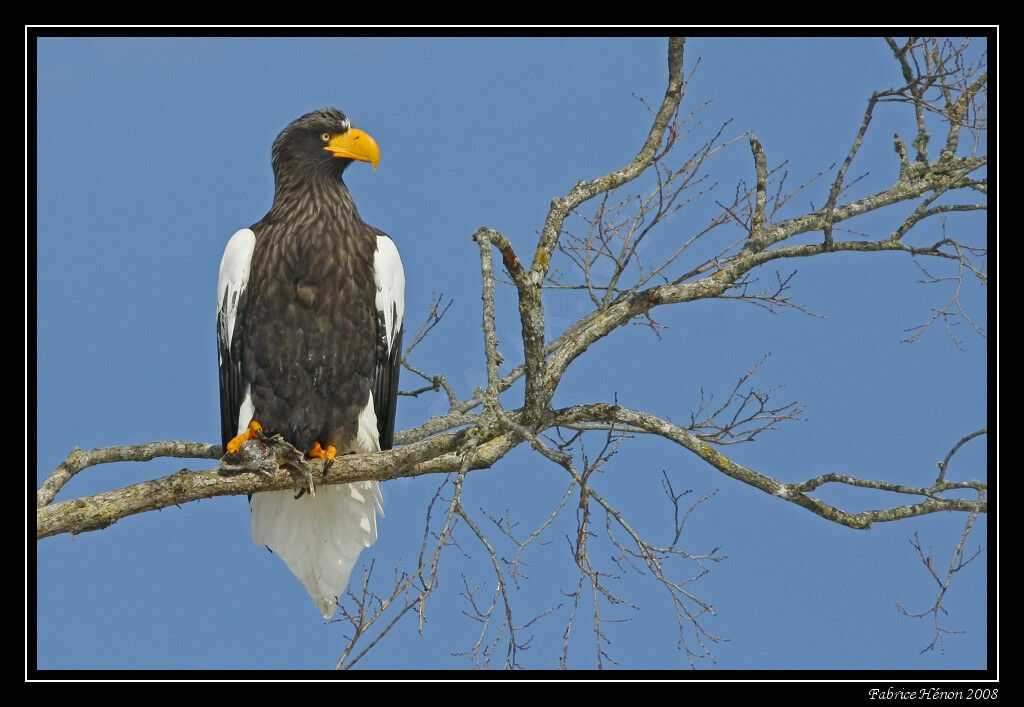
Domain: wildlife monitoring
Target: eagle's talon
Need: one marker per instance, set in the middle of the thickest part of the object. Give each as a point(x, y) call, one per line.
point(328, 455)
point(253, 431)
point(318, 452)
point(247, 458)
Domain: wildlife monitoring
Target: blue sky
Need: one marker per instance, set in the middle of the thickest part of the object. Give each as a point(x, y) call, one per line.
point(153, 151)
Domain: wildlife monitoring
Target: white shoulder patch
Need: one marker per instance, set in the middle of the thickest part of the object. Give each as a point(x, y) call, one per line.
point(234, 274)
point(389, 277)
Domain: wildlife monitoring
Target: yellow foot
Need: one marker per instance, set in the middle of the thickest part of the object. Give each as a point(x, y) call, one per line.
point(252, 432)
point(317, 452)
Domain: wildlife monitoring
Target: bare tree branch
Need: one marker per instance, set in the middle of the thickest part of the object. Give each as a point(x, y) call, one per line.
point(957, 562)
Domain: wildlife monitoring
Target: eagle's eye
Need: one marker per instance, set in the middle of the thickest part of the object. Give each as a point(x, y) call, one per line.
point(326, 137)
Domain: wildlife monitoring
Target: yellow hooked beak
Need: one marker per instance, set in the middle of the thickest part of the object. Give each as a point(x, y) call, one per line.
point(354, 145)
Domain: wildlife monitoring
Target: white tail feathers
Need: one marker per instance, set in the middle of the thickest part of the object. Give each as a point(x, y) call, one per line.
point(319, 536)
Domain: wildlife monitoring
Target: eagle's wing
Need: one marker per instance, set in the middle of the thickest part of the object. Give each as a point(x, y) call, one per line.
point(234, 275)
point(389, 278)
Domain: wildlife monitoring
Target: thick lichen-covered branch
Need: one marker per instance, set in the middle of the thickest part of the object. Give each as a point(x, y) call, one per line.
point(439, 454)
point(81, 459)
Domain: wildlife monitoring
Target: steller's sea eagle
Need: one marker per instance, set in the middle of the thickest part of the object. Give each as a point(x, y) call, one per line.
point(310, 305)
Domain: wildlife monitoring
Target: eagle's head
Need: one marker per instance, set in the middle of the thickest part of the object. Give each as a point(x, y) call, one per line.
point(322, 141)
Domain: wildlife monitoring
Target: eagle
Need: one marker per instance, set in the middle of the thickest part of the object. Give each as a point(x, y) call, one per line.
point(310, 309)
